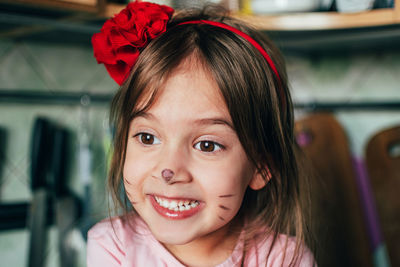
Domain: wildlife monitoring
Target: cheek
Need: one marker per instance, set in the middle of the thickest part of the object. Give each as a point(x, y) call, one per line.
point(130, 181)
point(134, 173)
point(225, 179)
point(224, 187)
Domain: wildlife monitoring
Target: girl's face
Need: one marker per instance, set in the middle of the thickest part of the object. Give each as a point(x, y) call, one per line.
point(189, 131)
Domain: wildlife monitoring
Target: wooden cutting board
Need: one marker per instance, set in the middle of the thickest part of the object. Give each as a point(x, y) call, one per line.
point(337, 217)
point(383, 164)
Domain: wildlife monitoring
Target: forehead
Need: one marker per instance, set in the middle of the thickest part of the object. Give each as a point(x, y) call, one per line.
point(190, 82)
point(190, 97)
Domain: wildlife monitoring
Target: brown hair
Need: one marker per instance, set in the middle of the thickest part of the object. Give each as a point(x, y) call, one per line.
point(259, 104)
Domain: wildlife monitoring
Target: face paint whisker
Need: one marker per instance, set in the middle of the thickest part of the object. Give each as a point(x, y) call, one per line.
point(230, 195)
point(223, 207)
point(221, 218)
point(127, 181)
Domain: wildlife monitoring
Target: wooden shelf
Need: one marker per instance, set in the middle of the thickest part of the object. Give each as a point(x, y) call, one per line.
point(111, 9)
point(312, 32)
point(283, 22)
point(323, 20)
point(311, 20)
point(90, 6)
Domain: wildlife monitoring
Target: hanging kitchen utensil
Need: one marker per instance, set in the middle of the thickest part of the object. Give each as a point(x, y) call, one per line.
point(378, 248)
point(85, 167)
point(40, 156)
point(338, 226)
point(66, 204)
point(383, 164)
point(3, 142)
point(14, 215)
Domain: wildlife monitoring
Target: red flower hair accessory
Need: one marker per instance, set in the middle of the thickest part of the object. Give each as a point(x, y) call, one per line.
point(122, 37)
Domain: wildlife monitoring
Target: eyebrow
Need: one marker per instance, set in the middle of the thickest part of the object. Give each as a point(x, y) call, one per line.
point(203, 121)
point(145, 115)
point(212, 121)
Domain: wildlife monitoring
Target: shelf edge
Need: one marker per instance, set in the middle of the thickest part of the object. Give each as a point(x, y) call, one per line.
point(322, 20)
point(307, 21)
point(73, 5)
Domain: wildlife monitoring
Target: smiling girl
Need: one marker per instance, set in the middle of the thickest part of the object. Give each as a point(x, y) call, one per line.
point(204, 148)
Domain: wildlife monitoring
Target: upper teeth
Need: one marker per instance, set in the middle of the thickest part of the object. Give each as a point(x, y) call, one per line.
point(176, 205)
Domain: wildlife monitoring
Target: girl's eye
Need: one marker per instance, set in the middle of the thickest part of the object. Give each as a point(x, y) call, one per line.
point(147, 139)
point(208, 146)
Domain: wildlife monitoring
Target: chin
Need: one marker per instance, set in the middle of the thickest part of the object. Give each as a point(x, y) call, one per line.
point(173, 238)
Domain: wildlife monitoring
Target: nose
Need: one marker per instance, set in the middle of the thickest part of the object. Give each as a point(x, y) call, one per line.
point(173, 166)
point(167, 174)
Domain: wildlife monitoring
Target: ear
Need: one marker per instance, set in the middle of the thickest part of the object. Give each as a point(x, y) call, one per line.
point(258, 182)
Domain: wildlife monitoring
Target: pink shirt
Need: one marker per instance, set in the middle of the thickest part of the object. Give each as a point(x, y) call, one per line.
point(119, 245)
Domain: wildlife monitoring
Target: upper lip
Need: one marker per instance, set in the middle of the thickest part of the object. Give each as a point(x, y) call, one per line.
point(175, 197)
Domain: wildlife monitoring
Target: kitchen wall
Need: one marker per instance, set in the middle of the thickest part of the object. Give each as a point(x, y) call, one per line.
point(50, 68)
point(350, 77)
point(45, 67)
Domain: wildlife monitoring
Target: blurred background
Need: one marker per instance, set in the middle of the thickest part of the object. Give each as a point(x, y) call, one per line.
point(343, 60)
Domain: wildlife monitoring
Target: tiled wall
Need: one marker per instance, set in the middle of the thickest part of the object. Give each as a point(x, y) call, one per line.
point(57, 67)
point(350, 77)
point(50, 68)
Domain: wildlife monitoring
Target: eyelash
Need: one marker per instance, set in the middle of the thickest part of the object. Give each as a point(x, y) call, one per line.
point(214, 145)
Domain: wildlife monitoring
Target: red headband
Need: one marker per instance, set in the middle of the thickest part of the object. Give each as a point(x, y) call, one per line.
point(122, 37)
point(241, 34)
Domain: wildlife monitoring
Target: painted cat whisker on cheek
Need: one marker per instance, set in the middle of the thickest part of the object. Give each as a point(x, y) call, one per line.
point(230, 195)
point(221, 218)
point(223, 207)
point(127, 181)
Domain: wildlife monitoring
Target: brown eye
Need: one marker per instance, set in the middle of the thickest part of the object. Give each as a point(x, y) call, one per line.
point(208, 146)
point(148, 139)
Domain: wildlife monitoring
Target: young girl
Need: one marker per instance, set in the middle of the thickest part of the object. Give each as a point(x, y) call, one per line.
point(204, 149)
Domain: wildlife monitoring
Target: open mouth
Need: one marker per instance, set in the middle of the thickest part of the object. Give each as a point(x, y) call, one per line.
point(175, 205)
point(175, 208)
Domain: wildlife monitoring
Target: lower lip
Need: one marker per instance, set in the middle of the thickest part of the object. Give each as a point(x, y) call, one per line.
point(174, 215)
